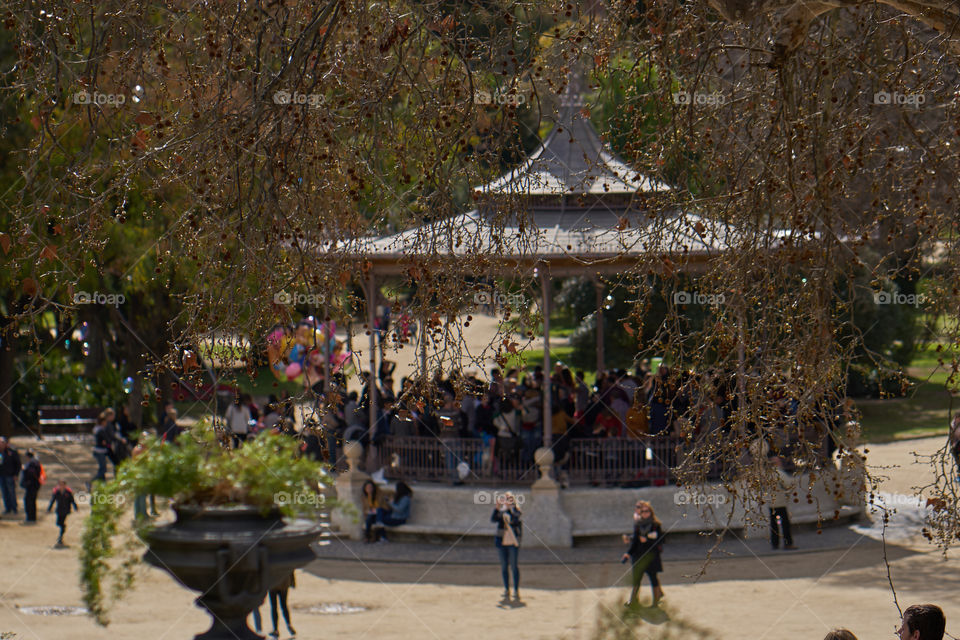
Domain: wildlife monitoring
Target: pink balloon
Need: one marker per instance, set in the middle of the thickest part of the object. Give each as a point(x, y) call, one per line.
point(293, 370)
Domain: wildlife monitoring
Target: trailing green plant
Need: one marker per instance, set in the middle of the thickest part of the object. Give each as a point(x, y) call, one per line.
point(199, 469)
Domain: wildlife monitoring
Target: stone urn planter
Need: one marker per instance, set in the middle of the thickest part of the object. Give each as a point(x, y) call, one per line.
point(232, 556)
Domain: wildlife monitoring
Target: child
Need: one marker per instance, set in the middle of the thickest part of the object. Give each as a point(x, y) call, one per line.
point(63, 497)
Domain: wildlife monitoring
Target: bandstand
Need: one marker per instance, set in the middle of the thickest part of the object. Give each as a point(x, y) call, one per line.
point(576, 209)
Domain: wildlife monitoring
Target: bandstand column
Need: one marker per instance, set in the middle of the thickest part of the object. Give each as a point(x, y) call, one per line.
point(598, 287)
point(423, 344)
point(326, 350)
point(371, 308)
point(545, 307)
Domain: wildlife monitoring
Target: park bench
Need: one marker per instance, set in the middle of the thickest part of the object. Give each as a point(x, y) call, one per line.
point(61, 419)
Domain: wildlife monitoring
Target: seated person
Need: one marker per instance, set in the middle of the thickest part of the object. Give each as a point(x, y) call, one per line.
point(399, 510)
point(371, 504)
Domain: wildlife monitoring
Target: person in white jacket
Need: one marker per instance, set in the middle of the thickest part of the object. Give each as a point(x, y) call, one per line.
point(237, 418)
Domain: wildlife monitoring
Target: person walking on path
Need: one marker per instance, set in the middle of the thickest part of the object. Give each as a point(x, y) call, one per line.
point(779, 492)
point(646, 543)
point(30, 481)
point(922, 622)
point(63, 498)
point(279, 594)
point(509, 531)
point(10, 466)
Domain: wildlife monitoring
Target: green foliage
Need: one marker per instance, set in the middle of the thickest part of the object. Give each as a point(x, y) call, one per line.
point(621, 348)
point(651, 622)
point(199, 470)
point(58, 378)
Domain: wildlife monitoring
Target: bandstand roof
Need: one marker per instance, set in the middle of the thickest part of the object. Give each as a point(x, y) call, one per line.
point(573, 160)
point(578, 208)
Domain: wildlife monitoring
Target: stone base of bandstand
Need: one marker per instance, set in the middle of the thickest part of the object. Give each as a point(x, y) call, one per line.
point(563, 518)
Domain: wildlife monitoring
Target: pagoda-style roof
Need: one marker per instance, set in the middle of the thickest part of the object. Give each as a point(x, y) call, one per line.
point(573, 204)
point(573, 160)
point(603, 240)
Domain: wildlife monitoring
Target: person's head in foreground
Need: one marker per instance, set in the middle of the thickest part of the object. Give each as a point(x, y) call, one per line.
point(922, 622)
point(840, 634)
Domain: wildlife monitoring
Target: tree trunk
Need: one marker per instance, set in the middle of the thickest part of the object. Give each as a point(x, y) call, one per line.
point(7, 345)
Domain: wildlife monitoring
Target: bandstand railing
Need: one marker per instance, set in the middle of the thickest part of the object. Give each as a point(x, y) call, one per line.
point(597, 461)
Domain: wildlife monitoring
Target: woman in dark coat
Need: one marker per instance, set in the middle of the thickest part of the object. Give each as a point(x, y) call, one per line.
point(644, 552)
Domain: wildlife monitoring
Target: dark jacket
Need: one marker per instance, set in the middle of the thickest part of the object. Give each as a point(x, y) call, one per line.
point(652, 546)
point(10, 462)
point(102, 440)
point(64, 501)
point(169, 430)
point(515, 524)
point(31, 475)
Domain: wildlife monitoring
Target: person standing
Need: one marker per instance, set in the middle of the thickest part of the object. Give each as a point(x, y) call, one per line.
point(779, 492)
point(954, 442)
point(63, 498)
point(646, 543)
point(238, 419)
point(30, 481)
point(102, 448)
point(509, 531)
point(10, 466)
point(279, 594)
point(922, 622)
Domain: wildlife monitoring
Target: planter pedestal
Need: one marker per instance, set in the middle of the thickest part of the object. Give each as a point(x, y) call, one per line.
point(232, 556)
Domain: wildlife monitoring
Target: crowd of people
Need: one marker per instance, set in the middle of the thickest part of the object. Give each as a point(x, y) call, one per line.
point(506, 411)
point(502, 410)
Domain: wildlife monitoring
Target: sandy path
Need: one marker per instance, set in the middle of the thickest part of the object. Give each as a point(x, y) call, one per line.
point(784, 596)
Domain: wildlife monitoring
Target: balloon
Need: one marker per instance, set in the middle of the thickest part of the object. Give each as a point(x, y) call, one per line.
point(279, 341)
point(339, 360)
point(275, 337)
point(296, 354)
point(293, 370)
